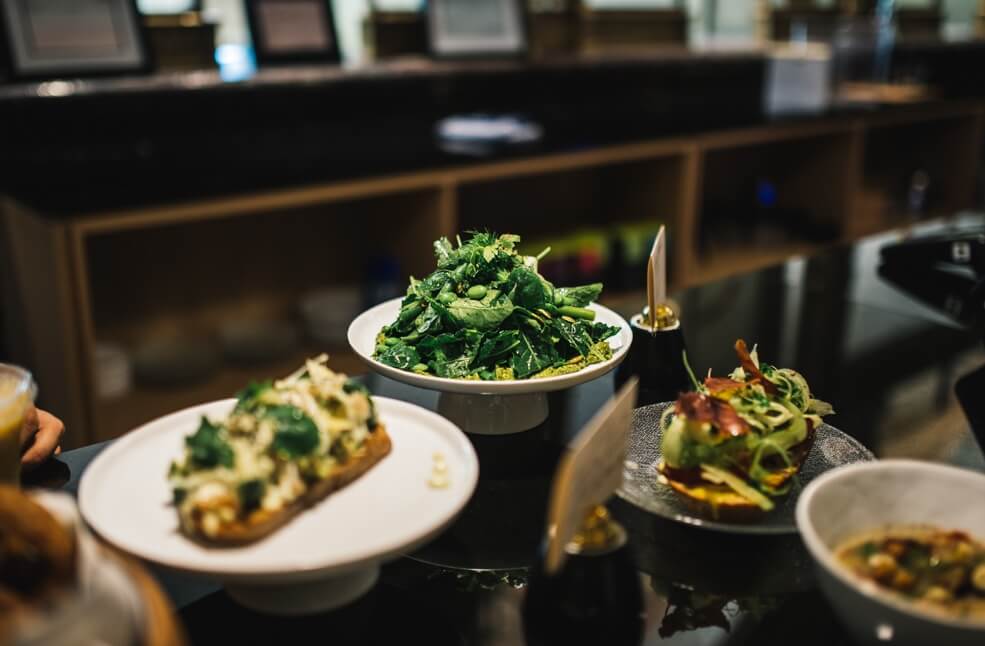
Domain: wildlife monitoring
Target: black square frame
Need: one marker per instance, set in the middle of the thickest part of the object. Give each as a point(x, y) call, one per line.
point(264, 56)
point(10, 65)
point(519, 53)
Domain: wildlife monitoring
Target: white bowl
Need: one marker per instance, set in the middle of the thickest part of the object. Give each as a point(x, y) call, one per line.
point(847, 502)
point(364, 330)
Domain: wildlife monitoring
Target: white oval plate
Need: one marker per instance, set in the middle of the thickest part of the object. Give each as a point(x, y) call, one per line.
point(125, 497)
point(364, 330)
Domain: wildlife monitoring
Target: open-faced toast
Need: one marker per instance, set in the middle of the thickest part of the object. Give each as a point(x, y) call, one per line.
point(735, 444)
point(286, 446)
point(261, 522)
point(722, 502)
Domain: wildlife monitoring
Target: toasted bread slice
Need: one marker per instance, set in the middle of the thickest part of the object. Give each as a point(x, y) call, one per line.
point(261, 523)
point(721, 502)
point(718, 502)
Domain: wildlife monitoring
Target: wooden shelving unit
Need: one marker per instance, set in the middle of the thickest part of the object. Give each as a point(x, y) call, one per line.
point(945, 149)
point(130, 275)
point(768, 195)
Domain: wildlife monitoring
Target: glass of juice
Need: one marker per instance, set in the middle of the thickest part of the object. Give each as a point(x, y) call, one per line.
point(16, 397)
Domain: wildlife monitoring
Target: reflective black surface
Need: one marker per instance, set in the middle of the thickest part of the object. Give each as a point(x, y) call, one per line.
point(886, 361)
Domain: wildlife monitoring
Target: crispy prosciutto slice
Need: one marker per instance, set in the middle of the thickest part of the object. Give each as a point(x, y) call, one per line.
point(703, 408)
point(722, 387)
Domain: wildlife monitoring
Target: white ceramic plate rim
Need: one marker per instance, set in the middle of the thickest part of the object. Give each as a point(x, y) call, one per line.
point(363, 331)
point(466, 468)
point(826, 557)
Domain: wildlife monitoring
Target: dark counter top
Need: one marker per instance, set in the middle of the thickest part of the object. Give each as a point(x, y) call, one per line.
point(886, 361)
point(272, 78)
point(75, 146)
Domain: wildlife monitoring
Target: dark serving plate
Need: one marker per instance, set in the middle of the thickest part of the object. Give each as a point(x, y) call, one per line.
point(642, 486)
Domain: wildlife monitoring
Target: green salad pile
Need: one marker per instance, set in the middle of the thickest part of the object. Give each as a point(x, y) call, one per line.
point(486, 313)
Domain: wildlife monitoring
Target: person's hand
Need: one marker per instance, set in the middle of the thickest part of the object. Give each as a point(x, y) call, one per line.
point(40, 437)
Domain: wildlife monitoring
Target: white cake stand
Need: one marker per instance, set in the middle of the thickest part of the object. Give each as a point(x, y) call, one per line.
point(486, 407)
point(328, 555)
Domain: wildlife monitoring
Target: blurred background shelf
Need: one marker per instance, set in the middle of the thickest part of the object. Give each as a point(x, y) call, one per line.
point(732, 200)
point(724, 262)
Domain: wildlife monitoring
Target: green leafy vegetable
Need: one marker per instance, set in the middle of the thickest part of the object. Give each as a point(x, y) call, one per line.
point(486, 313)
point(401, 356)
point(575, 335)
point(577, 296)
point(207, 448)
point(251, 493)
point(248, 399)
point(480, 316)
point(296, 433)
point(529, 290)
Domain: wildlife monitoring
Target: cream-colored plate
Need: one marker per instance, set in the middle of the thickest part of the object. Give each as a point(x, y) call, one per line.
point(364, 330)
point(125, 497)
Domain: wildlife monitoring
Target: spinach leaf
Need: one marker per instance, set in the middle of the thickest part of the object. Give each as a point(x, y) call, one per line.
point(429, 322)
point(295, 434)
point(601, 331)
point(577, 296)
point(434, 283)
point(248, 399)
point(456, 368)
point(400, 355)
point(405, 320)
point(496, 345)
point(480, 316)
point(533, 354)
point(528, 289)
point(429, 344)
point(207, 448)
point(575, 334)
point(251, 493)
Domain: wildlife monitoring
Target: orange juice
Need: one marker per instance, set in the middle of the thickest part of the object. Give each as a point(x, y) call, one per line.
point(16, 396)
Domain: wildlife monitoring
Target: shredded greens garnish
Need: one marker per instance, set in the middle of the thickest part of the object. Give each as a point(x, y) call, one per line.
point(759, 460)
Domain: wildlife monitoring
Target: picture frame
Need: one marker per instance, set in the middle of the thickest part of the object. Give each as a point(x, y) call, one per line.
point(477, 28)
point(72, 38)
point(293, 31)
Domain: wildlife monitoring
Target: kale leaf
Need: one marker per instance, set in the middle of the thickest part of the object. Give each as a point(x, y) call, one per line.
point(295, 434)
point(400, 355)
point(207, 448)
point(532, 355)
point(574, 334)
